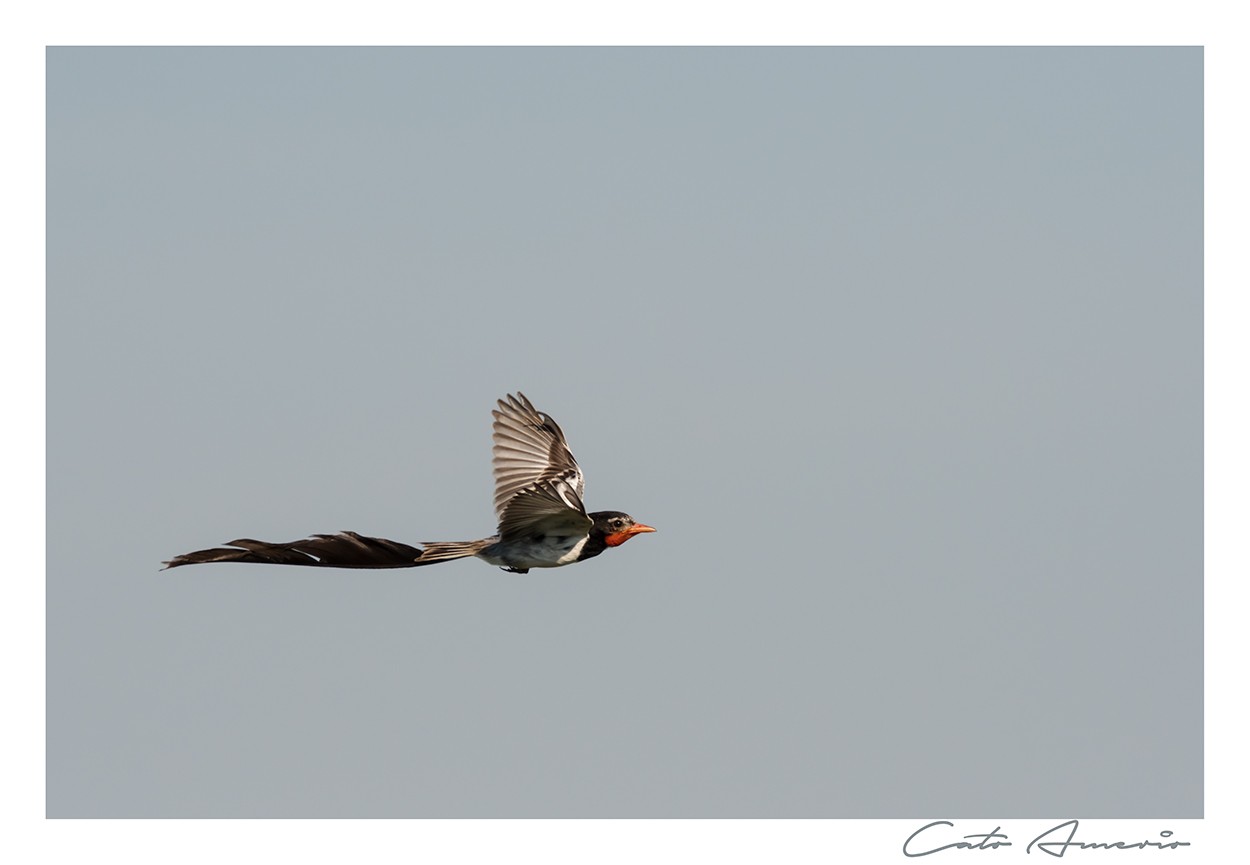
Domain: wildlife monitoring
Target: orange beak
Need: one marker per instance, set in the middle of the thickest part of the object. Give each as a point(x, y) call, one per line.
point(617, 538)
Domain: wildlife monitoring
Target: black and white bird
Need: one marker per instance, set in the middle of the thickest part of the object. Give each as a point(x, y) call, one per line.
point(538, 500)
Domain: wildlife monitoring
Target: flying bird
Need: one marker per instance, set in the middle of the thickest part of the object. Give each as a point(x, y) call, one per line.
point(538, 500)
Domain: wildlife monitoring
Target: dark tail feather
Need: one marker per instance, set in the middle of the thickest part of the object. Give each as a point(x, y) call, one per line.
point(344, 550)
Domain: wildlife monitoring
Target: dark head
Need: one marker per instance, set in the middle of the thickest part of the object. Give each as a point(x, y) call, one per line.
point(615, 527)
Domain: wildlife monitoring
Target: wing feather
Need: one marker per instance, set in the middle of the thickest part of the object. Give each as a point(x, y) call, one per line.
point(529, 451)
point(543, 510)
point(538, 484)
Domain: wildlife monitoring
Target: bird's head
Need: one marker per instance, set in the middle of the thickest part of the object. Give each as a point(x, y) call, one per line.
point(616, 527)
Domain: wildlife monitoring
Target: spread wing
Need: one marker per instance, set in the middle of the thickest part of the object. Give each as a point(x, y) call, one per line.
point(538, 484)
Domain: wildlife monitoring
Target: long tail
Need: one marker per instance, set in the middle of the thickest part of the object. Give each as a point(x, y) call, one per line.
point(344, 550)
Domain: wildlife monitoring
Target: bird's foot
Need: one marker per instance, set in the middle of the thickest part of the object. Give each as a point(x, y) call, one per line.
point(516, 570)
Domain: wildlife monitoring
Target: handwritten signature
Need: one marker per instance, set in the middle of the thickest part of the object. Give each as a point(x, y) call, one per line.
point(1054, 842)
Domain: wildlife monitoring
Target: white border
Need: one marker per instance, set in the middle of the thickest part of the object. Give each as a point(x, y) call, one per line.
point(576, 23)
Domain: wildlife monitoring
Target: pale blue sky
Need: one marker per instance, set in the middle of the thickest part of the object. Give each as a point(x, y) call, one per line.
point(899, 349)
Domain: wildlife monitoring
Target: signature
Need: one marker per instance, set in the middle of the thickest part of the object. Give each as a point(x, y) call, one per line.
point(1053, 842)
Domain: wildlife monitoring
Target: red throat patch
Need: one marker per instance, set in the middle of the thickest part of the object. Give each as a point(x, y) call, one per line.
point(617, 538)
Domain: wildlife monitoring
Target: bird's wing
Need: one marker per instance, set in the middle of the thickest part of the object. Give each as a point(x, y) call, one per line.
point(547, 509)
point(530, 451)
point(538, 484)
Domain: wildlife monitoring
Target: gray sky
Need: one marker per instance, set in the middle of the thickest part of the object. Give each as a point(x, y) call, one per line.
point(901, 351)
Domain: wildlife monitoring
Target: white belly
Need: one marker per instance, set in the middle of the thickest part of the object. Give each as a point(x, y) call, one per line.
point(551, 552)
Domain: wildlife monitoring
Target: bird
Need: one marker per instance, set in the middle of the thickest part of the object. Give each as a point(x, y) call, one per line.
point(538, 502)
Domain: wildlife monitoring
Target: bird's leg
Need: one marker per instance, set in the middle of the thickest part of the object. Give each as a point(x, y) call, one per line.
point(516, 570)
